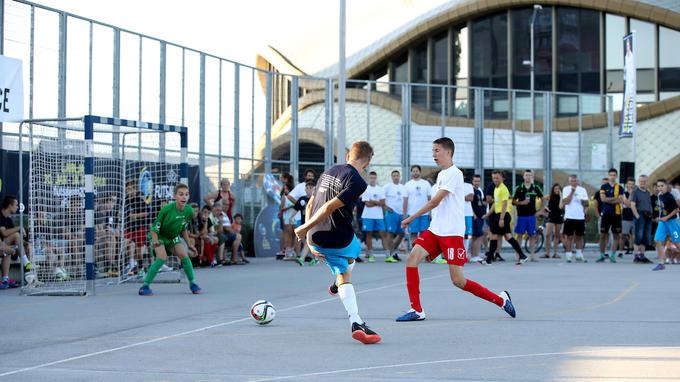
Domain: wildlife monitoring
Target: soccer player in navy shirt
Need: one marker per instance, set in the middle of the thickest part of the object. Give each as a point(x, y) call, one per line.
point(611, 195)
point(329, 230)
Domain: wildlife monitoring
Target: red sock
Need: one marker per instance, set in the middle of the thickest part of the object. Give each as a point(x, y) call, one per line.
point(413, 286)
point(481, 292)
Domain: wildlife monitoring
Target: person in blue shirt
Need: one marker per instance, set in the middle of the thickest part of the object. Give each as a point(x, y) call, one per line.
point(668, 222)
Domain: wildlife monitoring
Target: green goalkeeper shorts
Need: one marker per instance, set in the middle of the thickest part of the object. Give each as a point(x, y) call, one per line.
point(169, 244)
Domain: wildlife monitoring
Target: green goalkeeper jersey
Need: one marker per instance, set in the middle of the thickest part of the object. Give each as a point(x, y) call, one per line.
point(170, 222)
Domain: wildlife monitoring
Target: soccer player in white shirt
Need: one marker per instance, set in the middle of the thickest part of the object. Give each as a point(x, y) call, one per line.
point(418, 192)
point(394, 204)
point(445, 235)
point(372, 218)
point(575, 202)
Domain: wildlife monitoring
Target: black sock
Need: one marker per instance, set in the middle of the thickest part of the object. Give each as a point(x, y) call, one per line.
point(493, 244)
point(515, 245)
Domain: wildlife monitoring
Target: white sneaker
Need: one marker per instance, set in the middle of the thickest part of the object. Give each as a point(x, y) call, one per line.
point(165, 268)
point(579, 257)
point(569, 255)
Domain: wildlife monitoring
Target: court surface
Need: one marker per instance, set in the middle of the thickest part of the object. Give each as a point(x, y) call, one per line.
point(575, 322)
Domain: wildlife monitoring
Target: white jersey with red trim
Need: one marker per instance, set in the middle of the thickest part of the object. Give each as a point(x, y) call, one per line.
point(448, 218)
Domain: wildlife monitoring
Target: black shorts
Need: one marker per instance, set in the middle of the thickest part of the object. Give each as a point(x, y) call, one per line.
point(574, 227)
point(612, 221)
point(495, 228)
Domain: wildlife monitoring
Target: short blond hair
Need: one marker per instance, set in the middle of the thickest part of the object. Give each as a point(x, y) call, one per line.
point(361, 150)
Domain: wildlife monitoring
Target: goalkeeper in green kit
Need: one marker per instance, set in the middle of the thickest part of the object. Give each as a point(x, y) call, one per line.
point(171, 222)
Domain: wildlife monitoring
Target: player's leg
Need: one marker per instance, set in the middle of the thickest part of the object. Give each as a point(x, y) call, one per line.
point(604, 235)
point(425, 247)
point(502, 301)
point(180, 251)
point(160, 256)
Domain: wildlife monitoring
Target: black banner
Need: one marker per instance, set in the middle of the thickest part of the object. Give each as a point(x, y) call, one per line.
point(154, 180)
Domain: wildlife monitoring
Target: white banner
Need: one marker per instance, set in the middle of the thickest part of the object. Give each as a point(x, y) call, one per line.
point(629, 109)
point(11, 90)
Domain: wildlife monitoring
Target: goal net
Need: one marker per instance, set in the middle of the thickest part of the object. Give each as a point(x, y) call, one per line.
point(95, 186)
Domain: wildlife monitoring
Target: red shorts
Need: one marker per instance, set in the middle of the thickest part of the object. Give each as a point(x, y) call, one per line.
point(138, 236)
point(452, 247)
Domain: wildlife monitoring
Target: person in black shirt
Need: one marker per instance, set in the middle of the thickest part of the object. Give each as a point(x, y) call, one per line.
point(301, 205)
point(524, 199)
point(627, 218)
point(668, 228)
point(479, 209)
point(329, 231)
point(553, 228)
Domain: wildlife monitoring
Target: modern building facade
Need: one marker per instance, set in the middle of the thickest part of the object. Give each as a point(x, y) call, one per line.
point(463, 45)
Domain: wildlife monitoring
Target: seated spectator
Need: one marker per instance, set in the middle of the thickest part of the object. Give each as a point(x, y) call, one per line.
point(194, 236)
point(236, 226)
point(106, 234)
point(11, 239)
point(232, 239)
point(50, 242)
point(208, 237)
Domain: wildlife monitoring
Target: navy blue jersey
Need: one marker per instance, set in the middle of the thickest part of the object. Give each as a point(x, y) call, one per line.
point(343, 182)
point(667, 204)
point(611, 192)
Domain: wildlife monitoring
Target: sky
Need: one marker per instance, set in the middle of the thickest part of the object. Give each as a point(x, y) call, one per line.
point(306, 31)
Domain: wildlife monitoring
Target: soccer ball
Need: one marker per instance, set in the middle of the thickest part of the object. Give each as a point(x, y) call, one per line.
point(262, 312)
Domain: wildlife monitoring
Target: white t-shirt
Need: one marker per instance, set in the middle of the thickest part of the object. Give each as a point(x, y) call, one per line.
point(448, 218)
point(417, 192)
point(468, 189)
point(675, 193)
point(374, 194)
point(394, 197)
point(298, 192)
point(574, 210)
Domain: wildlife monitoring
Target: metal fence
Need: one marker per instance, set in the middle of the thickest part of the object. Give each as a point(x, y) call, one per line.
point(244, 121)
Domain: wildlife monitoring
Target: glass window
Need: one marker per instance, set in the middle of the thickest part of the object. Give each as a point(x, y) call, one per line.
point(440, 72)
point(490, 51)
point(645, 53)
point(578, 50)
point(457, 98)
point(521, 45)
point(400, 74)
point(615, 30)
point(419, 74)
point(669, 60)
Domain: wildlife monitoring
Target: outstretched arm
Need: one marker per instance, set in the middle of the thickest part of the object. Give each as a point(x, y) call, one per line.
point(429, 206)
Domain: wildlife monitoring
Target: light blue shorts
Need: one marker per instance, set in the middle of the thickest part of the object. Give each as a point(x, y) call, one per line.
point(393, 223)
point(337, 258)
point(369, 225)
point(670, 228)
point(419, 224)
point(468, 225)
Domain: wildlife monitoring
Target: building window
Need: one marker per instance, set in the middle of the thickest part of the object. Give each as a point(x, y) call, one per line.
point(400, 74)
point(490, 51)
point(669, 62)
point(578, 52)
point(440, 72)
point(419, 74)
point(521, 49)
point(615, 30)
point(645, 52)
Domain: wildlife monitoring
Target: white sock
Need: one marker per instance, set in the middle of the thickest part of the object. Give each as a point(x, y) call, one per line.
point(349, 300)
point(569, 255)
point(24, 260)
point(351, 266)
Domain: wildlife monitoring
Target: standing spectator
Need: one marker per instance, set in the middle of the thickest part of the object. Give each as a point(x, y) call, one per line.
point(299, 192)
point(394, 204)
point(575, 204)
point(500, 220)
point(223, 195)
point(287, 215)
point(668, 228)
point(611, 195)
point(655, 209)
point(469, 191)
point(302, 205)
point(136, 226)
point(627, 218)
point(488, 195)
point(553, 228)
point(524, 198)
point(641, 206)
point(479, 210)
point(418, 192)
point(372, 218)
